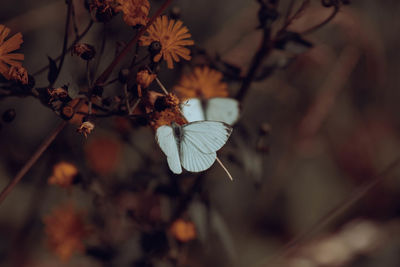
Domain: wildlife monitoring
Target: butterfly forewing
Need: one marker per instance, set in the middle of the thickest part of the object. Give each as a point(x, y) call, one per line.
point(193, 110)
point(167, 143)
point(206, 136)
point(222, 109)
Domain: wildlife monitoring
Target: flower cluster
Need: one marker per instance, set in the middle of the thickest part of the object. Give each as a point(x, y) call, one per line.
point(135, 11)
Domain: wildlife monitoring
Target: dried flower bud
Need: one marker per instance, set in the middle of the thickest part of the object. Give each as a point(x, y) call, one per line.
point(67, 112)
point(60, 93)
point(86, 128)
point(9, 115)
point(154, 48)
point(85, 51)
point(143, 79)
point(104, 10)
point(175, 13)
point(123, 75)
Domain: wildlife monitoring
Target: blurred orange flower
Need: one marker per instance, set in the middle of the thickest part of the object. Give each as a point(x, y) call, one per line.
point(183, 231)
point(8, 59)
point(172, 37)
point(203, 82)
point(103, 154)
point(63, 175)
point(135, 11)
point(65, 230)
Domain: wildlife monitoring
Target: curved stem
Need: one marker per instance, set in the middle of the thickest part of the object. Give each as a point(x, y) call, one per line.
point(323, 23)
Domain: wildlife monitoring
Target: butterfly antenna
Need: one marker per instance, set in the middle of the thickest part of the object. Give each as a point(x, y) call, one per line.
point(225, 169)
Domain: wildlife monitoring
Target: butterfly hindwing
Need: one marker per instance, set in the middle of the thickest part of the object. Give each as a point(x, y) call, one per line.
point(194, 160)
point(167, 143)
point(222, 109)
point(206, 136)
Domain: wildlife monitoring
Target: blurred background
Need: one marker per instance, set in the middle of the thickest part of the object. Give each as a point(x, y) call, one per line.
point(320, 125)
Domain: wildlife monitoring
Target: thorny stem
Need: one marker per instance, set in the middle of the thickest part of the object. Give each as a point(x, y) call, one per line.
point(265, 48)
point(65, 44)
point(353, 197)
point(69, 48)
point(28, 165)
point(104, 76)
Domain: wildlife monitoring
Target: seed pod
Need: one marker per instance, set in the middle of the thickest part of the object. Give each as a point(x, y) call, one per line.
point(9, 115)
point(85, 51)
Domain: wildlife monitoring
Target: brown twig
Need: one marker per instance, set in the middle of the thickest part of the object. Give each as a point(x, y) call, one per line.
point(28, 165)
point(65, 43)
point(265, 48)
point(106, 73)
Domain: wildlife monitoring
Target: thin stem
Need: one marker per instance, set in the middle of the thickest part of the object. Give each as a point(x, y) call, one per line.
point(28, 165)
point(69, 48)
point(162, 86)
point(65, 43)
point(353, 197)
point(74, 24)
point(225, 169)
point(104, 76)
point(265, 48)
point(323, 23)
point(127, 98)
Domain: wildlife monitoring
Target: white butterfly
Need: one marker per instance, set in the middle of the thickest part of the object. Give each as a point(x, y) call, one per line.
point(192, 146)
point(216, 109)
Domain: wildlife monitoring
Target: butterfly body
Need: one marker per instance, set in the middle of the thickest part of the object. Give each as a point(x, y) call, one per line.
point(192, 146)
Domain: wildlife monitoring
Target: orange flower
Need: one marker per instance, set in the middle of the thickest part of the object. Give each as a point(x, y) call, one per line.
point(203, 82)
point(8, 59)
point(64, 174)
point(167, 111)
point(183, 231)
point(172, 37)
point(17, 73)
point(135, 11)
point(65, 230)
point(103, 154)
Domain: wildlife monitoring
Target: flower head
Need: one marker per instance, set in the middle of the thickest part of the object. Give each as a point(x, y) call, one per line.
point(173, 38)
point(183, 231)
point(86, 128)
point(65, 230)
point(17, 73)
point(166, 111)
point(8, 59)
point(63, 175)
point(135, 11)
point(203, 82)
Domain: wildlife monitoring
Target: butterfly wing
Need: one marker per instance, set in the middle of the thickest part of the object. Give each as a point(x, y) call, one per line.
point(193, 160)
point(192, 110)
point(166, 141)
point(222, 109)
point(205, 136)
